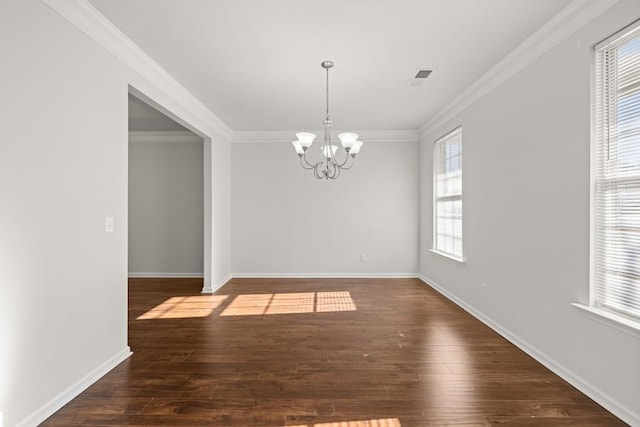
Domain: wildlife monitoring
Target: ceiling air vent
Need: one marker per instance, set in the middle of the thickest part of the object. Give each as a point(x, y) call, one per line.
point(420, 77)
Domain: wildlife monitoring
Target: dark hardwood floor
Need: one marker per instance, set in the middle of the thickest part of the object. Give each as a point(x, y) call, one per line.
point(325, 352)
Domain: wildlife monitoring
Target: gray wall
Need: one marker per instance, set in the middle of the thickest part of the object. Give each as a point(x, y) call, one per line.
point(165, 204)
point(63, 169)
point(286, 222)
point(526, 218)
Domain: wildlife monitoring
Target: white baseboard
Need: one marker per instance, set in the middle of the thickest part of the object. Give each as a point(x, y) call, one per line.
point(75, 389)
point(603, 399)
point(324, 275)
point(215, 286)
point(161, 275)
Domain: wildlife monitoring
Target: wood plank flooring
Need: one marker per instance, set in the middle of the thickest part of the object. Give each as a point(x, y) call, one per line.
point(320, 353)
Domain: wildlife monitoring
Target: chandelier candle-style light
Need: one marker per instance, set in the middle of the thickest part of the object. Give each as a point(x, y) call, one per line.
point(328, 167)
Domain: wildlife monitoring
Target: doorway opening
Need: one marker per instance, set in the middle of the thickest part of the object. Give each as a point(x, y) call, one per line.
point(168, 194)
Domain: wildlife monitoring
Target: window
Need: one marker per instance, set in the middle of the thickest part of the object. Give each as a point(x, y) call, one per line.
point(447, 200)
point(616, 280)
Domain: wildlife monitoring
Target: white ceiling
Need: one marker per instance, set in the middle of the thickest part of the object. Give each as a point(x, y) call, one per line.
point(256, 63)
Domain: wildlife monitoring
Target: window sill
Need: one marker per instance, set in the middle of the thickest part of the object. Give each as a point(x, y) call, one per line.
point(459, 261)
point(608, 318)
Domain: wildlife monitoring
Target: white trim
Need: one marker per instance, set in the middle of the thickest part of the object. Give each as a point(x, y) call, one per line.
point(593, 149)
point(288, 136)
point(569, 20)
point(74, 390)
point(437, 167)
point(619, 35)
point(95, 25)
point(220, 283)
point(207, 257)
point(136, 137)
point(611, 319)
point(606, 401)
point(448, 257)
point(452, 132)
point(164, 274)
point(325, 275)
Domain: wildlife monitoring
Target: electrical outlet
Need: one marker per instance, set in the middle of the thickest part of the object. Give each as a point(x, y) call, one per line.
point(109, 224)
point(485, 290)
point(363, 258)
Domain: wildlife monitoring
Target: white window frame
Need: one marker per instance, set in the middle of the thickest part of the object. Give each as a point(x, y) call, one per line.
point(610, 314)
point(438, 164)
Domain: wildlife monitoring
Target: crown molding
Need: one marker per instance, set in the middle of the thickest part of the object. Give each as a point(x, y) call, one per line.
point(98, 27)
point(163, 136)
point(288, 136)
point(574, 16)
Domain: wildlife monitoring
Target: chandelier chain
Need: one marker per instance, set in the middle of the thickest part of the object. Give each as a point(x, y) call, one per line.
point(327, 94)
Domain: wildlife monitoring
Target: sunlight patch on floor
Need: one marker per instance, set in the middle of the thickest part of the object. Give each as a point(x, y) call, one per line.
point(380, 422)
point(301, 302)
point(290, 303)
point(334, 301)
point(185, 307)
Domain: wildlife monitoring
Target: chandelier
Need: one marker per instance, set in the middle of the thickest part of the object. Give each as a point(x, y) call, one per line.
point(329, 166)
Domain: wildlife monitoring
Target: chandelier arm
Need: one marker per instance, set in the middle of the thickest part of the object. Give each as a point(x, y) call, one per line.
point(337, 173)
point(315, 171)
point(346, 168)
point(303, 160)
point(334, 168)
point(309, 165)
point(340, 165)
point(331, 169)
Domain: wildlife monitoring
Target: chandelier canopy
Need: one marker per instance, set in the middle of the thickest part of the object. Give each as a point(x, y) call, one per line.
point(328, 167)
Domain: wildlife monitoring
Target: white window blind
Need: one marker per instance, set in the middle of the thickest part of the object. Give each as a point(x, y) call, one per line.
point(447, 167)
point(617, 174)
